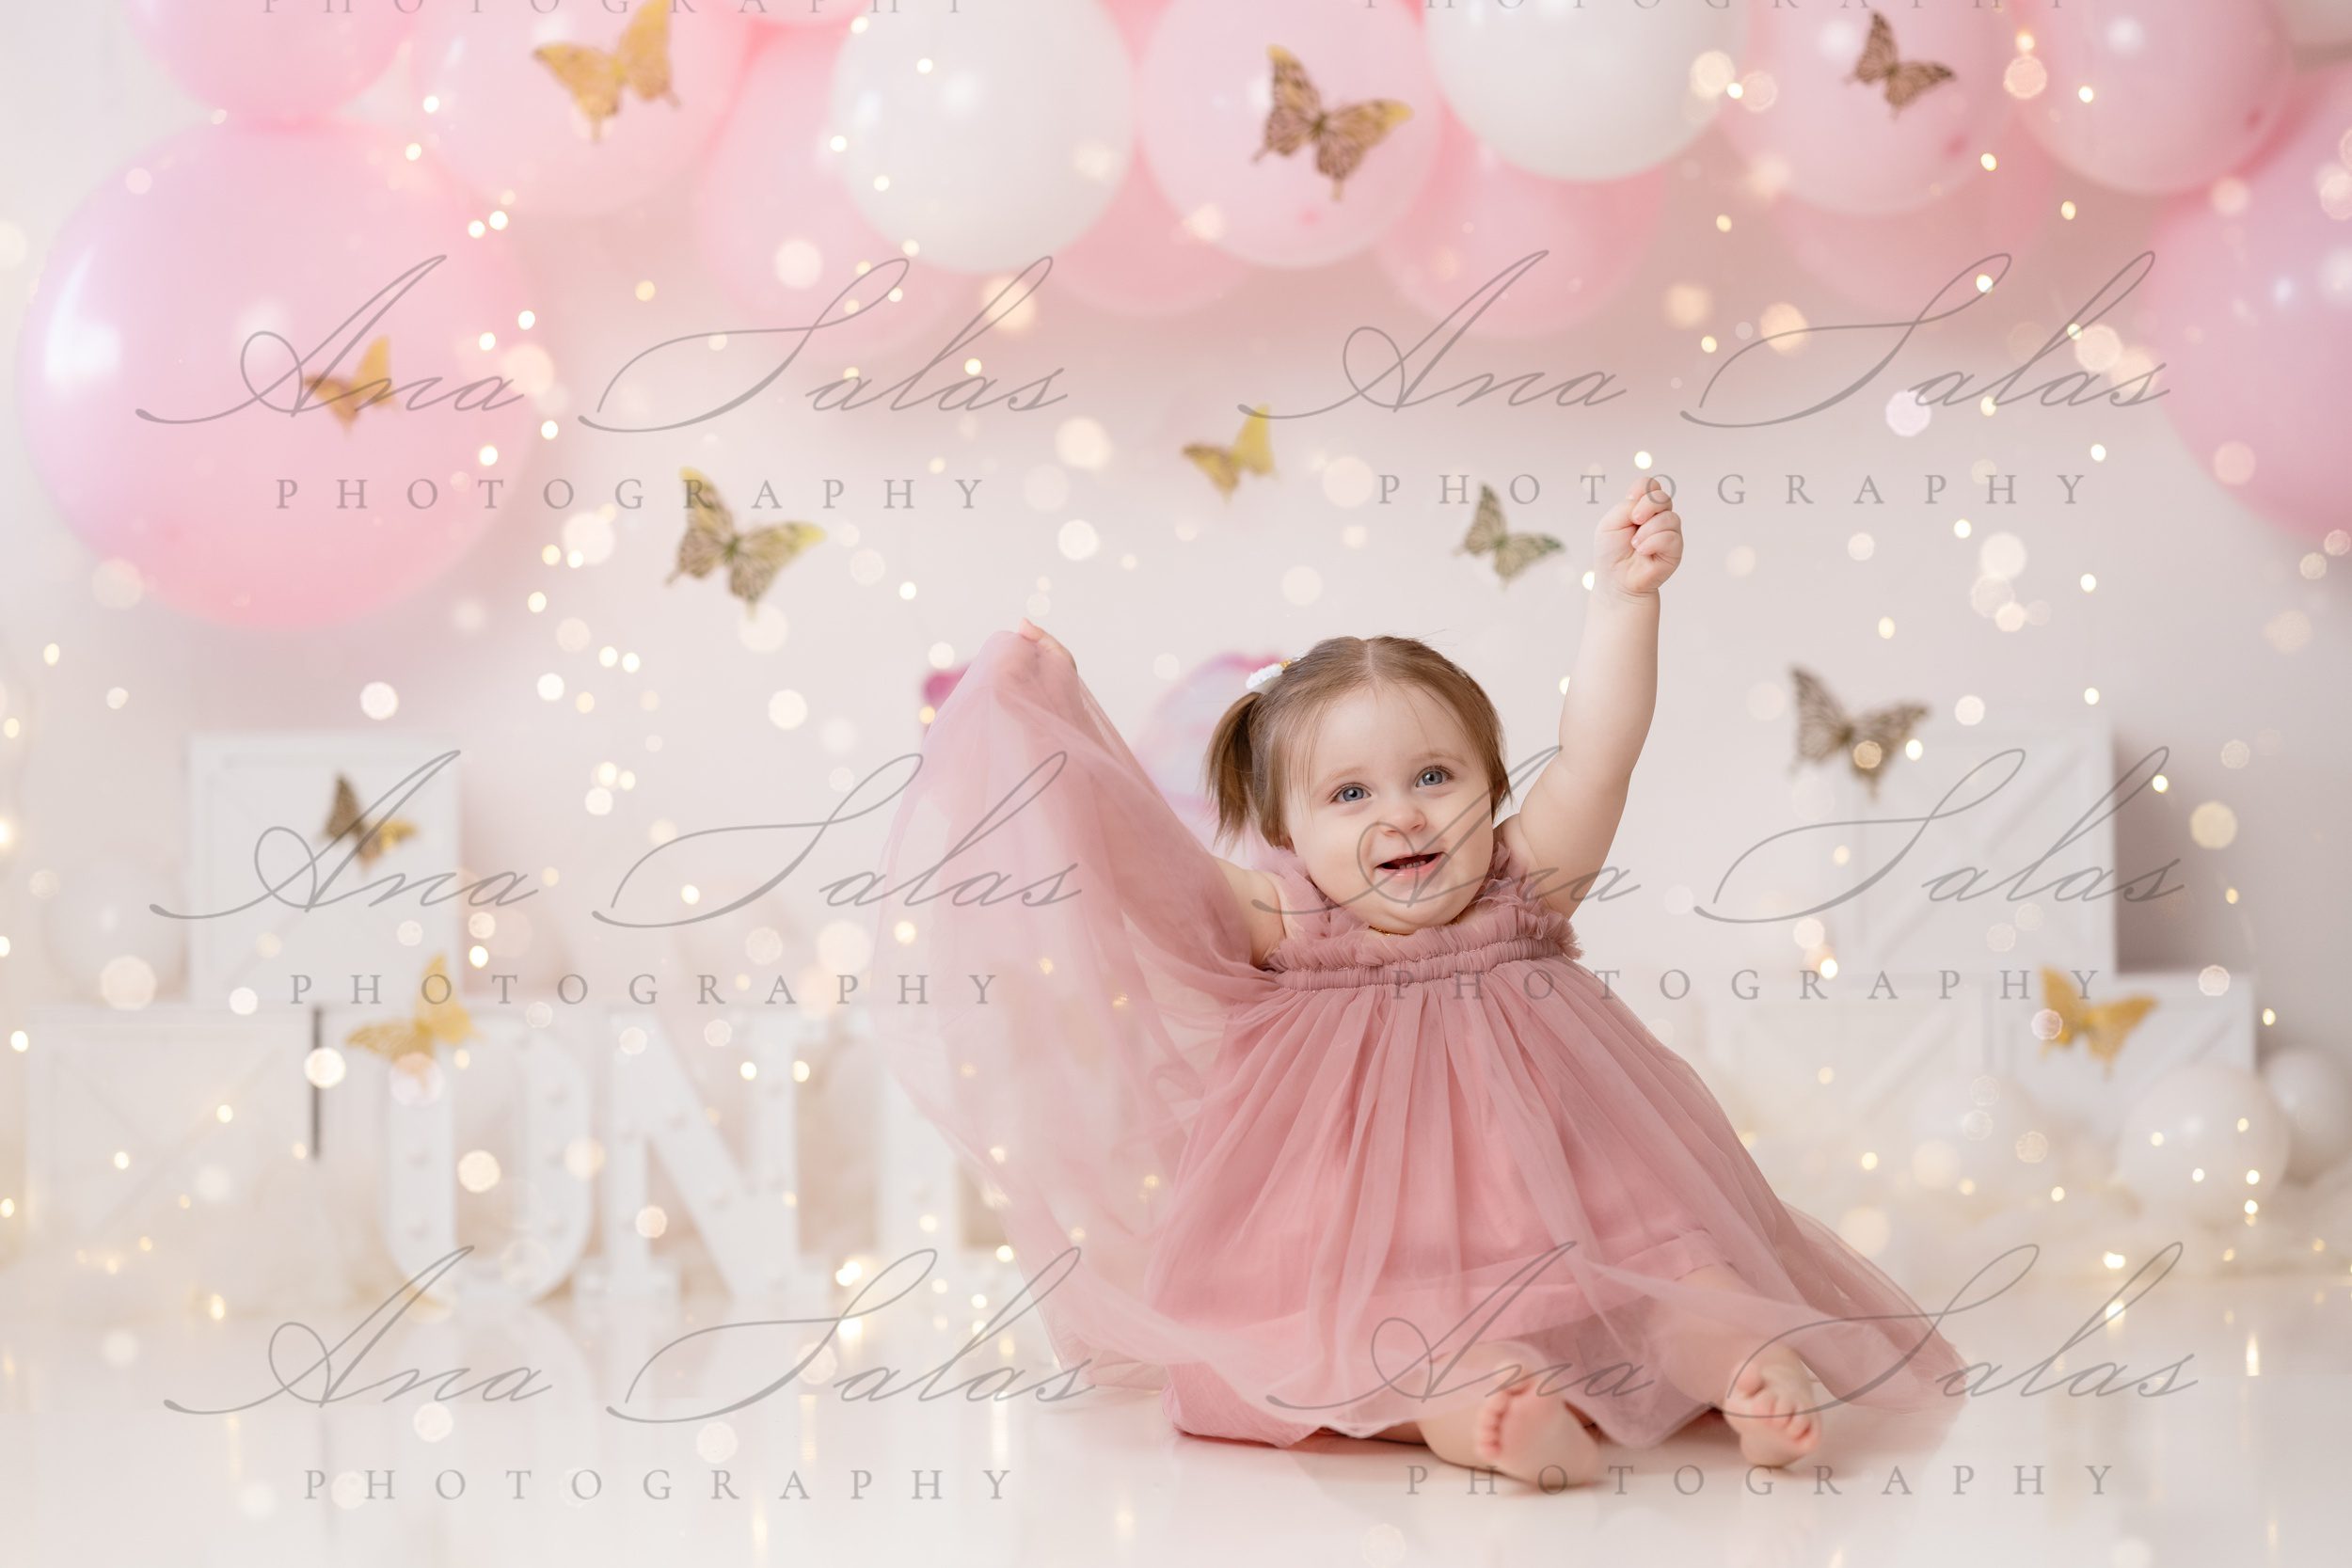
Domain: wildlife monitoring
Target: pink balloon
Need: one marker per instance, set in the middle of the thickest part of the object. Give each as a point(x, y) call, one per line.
point(1136, 20)
point(211, 278)
point(1478, 215)
point(281, 67)
point(2249, 306)
point(781, 235)
point(1839, 143)
point(1896, 263)
point(1139, 260)
point(1173, 739)
point(2180, 90)
point(1203, 96)
point(503, 123)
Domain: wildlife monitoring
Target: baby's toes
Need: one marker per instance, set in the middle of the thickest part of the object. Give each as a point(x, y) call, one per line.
point(1489, 1438)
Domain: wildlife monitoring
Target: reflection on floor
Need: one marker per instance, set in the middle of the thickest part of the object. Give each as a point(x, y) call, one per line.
point(740, 1445)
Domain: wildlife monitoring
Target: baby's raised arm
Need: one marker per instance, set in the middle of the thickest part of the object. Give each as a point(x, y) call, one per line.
point(1570, 815)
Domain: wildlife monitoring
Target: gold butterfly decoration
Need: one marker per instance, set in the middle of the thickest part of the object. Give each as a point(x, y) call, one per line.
point(1869, 742)
point(594, 77)
point(1905, 80)
point(444, 1022)
point(751, 557)
point(1513, 553)
point(1252, 452)
point(369, 383)
point(1341, 135)
point(344, 816)
point(2102, 1027)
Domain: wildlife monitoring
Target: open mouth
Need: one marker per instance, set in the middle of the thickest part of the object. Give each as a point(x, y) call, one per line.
point(1409, 862)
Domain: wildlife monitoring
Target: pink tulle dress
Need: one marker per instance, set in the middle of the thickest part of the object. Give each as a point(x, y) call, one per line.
point(1297, 1191)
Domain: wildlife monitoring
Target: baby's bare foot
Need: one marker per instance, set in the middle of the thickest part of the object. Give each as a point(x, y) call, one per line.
point(1770, 1404)
point(1536, 1437)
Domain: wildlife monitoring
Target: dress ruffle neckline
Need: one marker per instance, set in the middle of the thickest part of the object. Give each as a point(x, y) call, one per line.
point(1327, 936)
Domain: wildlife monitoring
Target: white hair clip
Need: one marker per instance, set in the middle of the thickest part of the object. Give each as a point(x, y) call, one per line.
point(1259, 676)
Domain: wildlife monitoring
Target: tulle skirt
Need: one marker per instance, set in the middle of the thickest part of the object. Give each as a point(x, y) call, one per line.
point(1377, 1181)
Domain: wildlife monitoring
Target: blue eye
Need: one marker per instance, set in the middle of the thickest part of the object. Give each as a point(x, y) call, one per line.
point(1340, 794)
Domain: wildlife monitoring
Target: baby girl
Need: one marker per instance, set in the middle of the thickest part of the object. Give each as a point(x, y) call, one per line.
point(1347, 1140)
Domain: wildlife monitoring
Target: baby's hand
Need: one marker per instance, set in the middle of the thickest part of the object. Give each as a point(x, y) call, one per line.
point(1046, 640)
point(1639, 542)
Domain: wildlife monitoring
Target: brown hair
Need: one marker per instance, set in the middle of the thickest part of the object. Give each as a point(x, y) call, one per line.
point(1244, 771)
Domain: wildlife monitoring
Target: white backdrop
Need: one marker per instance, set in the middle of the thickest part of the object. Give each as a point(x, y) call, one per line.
point(2203, 635)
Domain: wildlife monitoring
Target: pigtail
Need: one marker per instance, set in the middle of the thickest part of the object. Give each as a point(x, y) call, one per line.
point(1227, 769)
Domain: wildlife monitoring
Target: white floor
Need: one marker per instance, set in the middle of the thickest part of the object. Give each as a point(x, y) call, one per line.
point(2245, 1462)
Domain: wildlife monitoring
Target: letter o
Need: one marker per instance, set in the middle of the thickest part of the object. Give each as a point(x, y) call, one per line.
point(564, 990)
point(1695, 1470)
point(1534, 488)
point(546, 493)
point(1549, 985)
point(1543, 1478)
point(432, 494)
point(572, 1480)
point(448, 989)
point(446, 1495)
point(1674, 996)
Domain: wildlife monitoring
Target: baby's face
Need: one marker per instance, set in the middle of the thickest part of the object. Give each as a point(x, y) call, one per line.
point(1390, 773)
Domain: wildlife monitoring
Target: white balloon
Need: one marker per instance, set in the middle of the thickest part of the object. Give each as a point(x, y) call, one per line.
point(2190, 1146)
point(1982, 1130)
point(1582, 91)
point(2316, 1092)
point(100, 918)
point(986, 142)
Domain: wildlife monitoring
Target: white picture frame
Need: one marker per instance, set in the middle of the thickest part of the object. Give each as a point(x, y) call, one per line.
point(126, 1114)
point(247, 792)
point(1999, 822)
